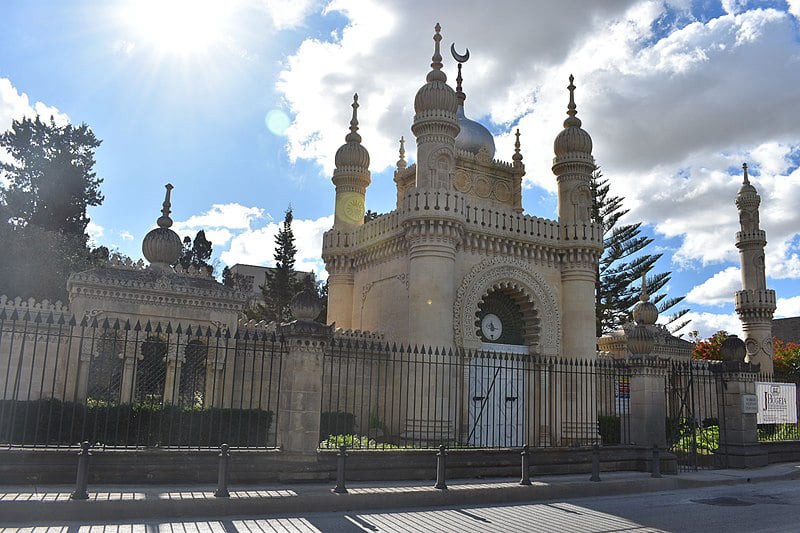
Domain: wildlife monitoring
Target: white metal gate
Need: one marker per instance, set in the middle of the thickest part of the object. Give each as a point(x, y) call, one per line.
point(496, 402)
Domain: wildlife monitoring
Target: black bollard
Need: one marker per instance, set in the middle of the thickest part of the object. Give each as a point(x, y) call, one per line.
point(222, 475)
point(341, 458)
point(656, 461)
point(526, 467)
point(595, 463)
point(82, 479)
point(441, 466)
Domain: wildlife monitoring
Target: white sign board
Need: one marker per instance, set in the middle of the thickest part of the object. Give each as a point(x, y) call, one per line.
point(749, 404)
point(777, 403)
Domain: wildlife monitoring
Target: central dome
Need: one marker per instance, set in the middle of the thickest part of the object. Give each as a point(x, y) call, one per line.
point(473, 135)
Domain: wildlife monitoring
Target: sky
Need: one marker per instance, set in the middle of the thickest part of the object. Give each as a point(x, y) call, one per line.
point(241, 105)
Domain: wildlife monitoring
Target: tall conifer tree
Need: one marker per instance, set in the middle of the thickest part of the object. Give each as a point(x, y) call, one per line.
point(622, 265)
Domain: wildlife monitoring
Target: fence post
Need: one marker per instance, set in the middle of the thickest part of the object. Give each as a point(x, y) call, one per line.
point(526, 466)
point(222, 475)
point(595, 463)
point(656, 462)
point(82, 479)
point(300, 398)
point(341, 458)
point(441, 466)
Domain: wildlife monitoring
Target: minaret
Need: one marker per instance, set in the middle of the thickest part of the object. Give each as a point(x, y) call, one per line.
point(755, 303)
point(519, 172)
point(573, 166)
point(351, 177)
point(435, 126)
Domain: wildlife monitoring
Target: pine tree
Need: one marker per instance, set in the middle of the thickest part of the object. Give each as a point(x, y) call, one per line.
point(196, 253)
point(280, 284)
point(622, 265)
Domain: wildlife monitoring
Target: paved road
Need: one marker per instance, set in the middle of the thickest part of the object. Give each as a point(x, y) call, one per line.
point(769, 507)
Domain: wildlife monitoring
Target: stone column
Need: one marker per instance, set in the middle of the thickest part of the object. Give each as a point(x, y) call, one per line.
point(300, 398)
point(648, 409)
point(172, 382)
point(341, 280)
point(129, 357)
point(738, 408)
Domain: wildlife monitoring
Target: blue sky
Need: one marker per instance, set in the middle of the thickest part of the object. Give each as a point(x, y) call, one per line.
point(241, 105)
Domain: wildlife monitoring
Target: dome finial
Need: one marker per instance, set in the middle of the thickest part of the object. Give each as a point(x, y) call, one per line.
point(517, 157)
point(572, 120)
point(401, 163)
point(644, 297)
point(164, 221)
point(437, 74)
point(461, 58)
point(354, 136)
point(746, 178)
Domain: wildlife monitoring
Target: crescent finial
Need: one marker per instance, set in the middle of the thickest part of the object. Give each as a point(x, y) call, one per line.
point(458, 57)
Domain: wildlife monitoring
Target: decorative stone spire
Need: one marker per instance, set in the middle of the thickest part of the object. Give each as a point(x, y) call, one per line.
point(755, 303)
point(161, 246)
point(517, 157)
point(436, 74)
point(573, 140)
point(645, 312)
point(351, 176)
point(401, 162)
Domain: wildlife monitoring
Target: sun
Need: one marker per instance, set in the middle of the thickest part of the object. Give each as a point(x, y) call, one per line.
point(180, 27)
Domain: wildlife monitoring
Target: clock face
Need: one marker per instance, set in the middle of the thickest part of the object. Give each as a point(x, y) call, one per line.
point(491, 327)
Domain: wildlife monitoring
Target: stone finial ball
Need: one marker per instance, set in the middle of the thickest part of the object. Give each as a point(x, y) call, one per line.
point(305, 305)
point(732, 349)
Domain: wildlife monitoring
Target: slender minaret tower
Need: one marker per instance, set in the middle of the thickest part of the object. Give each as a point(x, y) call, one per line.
point(573, 167)
point(435, 126)
point(351, 178)
point(755, 303)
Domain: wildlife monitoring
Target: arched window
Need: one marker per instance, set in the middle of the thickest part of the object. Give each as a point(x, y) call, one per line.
point(151, 371)
point(105, 370)
point(193, 374)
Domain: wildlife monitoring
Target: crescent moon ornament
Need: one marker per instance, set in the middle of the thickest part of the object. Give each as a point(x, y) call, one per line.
point(458, 57)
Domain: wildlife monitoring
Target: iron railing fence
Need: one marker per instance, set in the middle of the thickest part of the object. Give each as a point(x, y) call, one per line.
point(778, 432)
point(385, 397)
point(118, 384)
point(693, 413)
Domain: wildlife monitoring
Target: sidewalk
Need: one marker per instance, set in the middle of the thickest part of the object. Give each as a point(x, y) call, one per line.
point(26, 504)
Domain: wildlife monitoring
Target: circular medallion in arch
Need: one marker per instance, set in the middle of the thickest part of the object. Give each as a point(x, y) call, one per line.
point(463, 181)
point(502, 192)
point(482, 187)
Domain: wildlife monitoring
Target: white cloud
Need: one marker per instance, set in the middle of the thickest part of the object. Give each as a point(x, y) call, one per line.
point(718, 289)
point(706, 324)
point(257, 246)
point(289, 13)
point(95, 232)
point(788, 307)
point(230, 216)
point(794, 7)
point(126, 235)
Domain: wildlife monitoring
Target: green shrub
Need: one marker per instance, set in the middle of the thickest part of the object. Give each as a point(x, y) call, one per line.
point(778, 432)
point(336, 423)
point(352, 442)
point(609, 428)
point(54, 422)
point(706, 439)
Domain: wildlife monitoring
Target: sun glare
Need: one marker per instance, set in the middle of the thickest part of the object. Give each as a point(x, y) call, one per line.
point(182, 27)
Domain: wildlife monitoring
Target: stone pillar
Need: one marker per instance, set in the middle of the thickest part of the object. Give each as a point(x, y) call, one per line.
point(738, 408)
point(578, 280)
point(340, 291)
point(648, 409)
point(300, 398)
point(172, 382)
point(129, 357)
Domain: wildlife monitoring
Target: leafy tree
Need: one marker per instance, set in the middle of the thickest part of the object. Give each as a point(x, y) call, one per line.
point(47, 185)
point(708, 349)
point(787, 359)
point(622, 265)
point(51, 178)
point(196, 253)
point(236, 281)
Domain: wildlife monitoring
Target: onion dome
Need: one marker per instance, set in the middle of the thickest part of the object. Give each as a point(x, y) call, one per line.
point(645, 313)
point(162, 247)
point(436, 95)
point(352, 155)
point(305, 305)
point(733, 349)
point(748, 197)
point(640, 341)
point(572, 139)
point(473, 135)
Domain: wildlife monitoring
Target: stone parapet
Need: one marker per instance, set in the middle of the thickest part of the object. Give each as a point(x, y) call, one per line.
point(756, 237)
point(756, 303)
